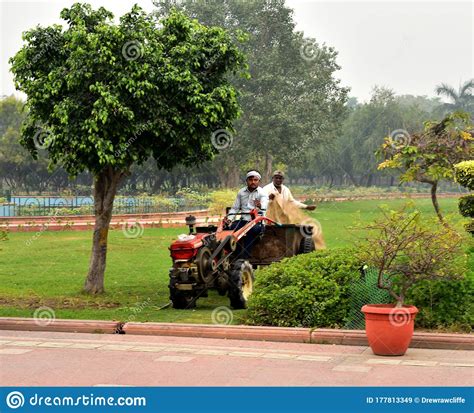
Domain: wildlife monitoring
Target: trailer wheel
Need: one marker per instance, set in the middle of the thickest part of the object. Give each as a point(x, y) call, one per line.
point(306, 245)
point(241, 280)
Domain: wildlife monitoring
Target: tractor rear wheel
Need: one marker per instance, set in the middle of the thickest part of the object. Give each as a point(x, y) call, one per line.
point(306, 245)
point(241, 280)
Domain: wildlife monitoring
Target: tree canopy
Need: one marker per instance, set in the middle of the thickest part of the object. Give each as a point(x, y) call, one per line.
point(292, 103)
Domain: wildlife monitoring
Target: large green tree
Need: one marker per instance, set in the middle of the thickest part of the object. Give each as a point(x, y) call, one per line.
point(291, 103)
point(105, 96)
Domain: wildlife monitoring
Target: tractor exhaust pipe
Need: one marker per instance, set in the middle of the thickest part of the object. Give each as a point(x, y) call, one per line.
point(191, 222)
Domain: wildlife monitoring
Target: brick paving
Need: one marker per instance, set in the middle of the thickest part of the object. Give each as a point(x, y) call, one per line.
point(70, 359)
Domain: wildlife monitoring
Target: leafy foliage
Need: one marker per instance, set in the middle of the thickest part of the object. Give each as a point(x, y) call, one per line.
point(292, 102)
point(95, 86)
point(310, 290)
point(444, 303)
point(406, 250)
point(465, 176)
point(466, 206)
point(430, 156)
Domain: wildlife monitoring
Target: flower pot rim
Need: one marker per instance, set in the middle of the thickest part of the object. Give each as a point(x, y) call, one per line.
point(388, 309)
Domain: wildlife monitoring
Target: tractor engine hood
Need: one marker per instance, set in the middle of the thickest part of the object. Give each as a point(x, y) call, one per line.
point(186, 246)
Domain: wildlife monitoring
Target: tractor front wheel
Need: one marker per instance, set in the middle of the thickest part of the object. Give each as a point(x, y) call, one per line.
point(241, 280)
point(180, 299)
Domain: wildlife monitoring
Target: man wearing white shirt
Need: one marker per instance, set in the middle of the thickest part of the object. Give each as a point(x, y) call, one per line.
point(249, 197)
point(277, 187)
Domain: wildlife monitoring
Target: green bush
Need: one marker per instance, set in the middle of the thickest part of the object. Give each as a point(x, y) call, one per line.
point(464, 173)
point(327, 289)
point(466, 206)
point(444, 304)
point(309, 290)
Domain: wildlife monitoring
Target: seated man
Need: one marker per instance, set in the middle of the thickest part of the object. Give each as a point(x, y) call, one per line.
point(277, 187)
point(250, 197)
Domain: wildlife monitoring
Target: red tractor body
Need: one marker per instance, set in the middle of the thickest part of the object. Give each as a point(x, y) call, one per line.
point(209, 258)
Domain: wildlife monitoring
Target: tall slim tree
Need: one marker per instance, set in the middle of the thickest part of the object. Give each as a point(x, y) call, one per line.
point(105, 96)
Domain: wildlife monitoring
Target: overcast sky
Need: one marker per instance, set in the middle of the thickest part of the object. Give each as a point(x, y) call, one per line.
point(407, 46)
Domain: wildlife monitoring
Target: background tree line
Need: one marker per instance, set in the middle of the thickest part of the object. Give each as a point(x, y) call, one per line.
point(296, 116)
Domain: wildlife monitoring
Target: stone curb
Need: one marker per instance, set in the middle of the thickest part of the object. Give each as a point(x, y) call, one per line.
point(258, 333)
point(60, 326)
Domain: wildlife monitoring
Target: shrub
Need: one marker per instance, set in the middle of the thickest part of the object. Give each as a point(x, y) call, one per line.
point(309, 290)
point(222, 199)
point(464, 174)
point(444, 304)
point(466, 206)
point(406, 250)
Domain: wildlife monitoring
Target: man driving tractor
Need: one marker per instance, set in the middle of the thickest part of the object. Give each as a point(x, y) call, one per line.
point(248, 198)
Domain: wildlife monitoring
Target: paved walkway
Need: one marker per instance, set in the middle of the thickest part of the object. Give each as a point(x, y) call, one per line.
point(67, 359)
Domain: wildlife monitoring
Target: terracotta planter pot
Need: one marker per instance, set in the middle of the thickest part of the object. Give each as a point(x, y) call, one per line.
point(389, 329)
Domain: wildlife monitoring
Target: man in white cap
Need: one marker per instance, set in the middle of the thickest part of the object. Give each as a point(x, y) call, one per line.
point(276, 187)
point(250, 197)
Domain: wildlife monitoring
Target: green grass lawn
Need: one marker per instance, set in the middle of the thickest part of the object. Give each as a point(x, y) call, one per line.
point(49, 269)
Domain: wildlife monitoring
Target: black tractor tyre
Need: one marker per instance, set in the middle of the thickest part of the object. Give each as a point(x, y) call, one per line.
point(241, 279)
point(306, 245)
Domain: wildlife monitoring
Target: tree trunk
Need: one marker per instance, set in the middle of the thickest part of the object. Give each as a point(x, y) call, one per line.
point(369, 180)
point(233, 179)
point(105, 188)
point(434, 200)
point(267, 173)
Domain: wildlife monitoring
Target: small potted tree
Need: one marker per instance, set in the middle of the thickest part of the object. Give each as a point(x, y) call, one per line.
point(405, 250)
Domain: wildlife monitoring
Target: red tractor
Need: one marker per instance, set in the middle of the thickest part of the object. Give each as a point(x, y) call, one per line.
point(209, 259)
